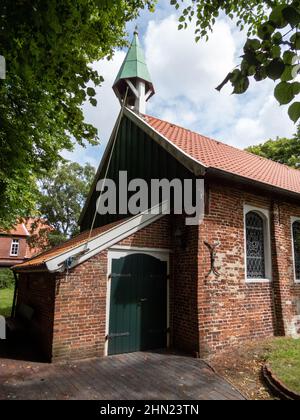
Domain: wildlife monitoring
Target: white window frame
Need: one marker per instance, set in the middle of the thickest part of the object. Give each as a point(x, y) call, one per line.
point(265, 214)
point(13, 243)
point(293, 220)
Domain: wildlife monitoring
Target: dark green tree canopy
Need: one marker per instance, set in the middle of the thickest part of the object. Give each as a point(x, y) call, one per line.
point(281, 150)
point(62, 195)
point(271, 49)
point(49, 46)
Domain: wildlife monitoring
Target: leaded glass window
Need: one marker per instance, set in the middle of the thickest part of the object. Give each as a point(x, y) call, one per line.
point(296, 239)
point(255, 246)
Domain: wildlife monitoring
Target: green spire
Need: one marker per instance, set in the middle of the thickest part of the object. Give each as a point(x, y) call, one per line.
point(134, 65)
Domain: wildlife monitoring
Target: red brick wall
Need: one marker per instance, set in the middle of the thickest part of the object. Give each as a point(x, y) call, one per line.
point(208, 313)
point(156, 235)
point(38, 291)
point(79, 322)
point(287, 292)
point(231, 310)
point(80, 309)
point(184, 285)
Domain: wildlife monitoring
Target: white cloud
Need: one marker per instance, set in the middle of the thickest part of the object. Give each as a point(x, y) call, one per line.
point(104, 115)
point(185, 75)
point(180, 67)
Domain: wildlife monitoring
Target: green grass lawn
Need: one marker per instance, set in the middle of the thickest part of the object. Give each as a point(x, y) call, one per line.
point(284, 360)
point(6, 298)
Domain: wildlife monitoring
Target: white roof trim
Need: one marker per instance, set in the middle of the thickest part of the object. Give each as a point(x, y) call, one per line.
point(95, 245)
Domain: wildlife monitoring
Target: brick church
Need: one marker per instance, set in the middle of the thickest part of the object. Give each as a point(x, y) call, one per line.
point(149, 281)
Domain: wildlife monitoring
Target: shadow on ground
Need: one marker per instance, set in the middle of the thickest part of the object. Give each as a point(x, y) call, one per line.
point(134, 376)
point(20, 347)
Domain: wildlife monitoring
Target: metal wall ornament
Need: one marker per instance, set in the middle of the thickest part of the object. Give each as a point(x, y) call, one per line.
point(255, 246)
point(213, 255)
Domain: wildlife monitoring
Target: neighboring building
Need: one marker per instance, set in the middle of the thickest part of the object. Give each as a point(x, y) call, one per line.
point(14, 247)
point(150, 281)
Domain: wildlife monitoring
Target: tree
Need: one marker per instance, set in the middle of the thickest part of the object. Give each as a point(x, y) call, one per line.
point(281, 150)
point(49, 46)
point(271, 48)
point(62, 196)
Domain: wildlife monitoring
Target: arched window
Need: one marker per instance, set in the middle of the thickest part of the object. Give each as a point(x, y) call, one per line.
point(255, 246)
point(296, 241)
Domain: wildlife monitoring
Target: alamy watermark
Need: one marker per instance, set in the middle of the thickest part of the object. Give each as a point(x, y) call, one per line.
point(137, 196)
point(2, 328)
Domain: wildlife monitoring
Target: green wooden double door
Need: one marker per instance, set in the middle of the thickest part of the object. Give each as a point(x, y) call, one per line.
point(138, 304)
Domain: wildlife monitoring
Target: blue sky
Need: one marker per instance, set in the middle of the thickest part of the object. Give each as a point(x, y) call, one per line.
point(185, 75)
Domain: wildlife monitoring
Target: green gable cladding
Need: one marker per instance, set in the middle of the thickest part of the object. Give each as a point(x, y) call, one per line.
point(142, 157)
point(134, 65)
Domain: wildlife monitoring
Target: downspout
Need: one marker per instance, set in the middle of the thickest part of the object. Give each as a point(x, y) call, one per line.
point(13, 308)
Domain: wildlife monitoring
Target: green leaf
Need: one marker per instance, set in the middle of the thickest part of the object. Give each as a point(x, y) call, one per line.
point(93, 101)
point(277, 38)
point(275, 69)
point(251, 70)
point(265, 31)
point(295, 40)
point(294, 111)
point(241, 85)
point(261, 74)
point(91, 91)
point(276, 51)
point(277, 18)
point(291, 15)
point(252, 44)
point(284, 93)
point(288, 57)
point(296, 88)
point(251, 58)
point(235, 75)
point(287, 74)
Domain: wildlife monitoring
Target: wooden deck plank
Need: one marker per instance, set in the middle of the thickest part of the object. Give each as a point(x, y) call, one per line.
point(142, 375)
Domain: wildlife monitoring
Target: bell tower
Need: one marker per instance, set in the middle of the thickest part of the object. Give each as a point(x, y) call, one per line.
point(133, 81)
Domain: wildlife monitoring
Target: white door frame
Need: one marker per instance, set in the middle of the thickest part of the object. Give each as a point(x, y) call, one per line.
point(117, 252)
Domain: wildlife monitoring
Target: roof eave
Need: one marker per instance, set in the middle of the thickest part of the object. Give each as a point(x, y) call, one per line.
point(251, 182)
point(30, 269)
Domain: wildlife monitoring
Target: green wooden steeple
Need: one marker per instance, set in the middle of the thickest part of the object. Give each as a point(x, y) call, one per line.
point(133, 80)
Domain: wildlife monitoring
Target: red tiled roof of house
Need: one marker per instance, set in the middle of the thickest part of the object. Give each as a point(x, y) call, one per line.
point(66, 246)
point(18, 230)
point(217, 155)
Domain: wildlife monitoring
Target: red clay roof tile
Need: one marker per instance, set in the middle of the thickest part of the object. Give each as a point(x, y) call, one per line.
point(18, 230)
point(66, 246)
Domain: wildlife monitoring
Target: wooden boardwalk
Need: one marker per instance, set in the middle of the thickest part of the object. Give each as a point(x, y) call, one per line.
point(134, 376)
